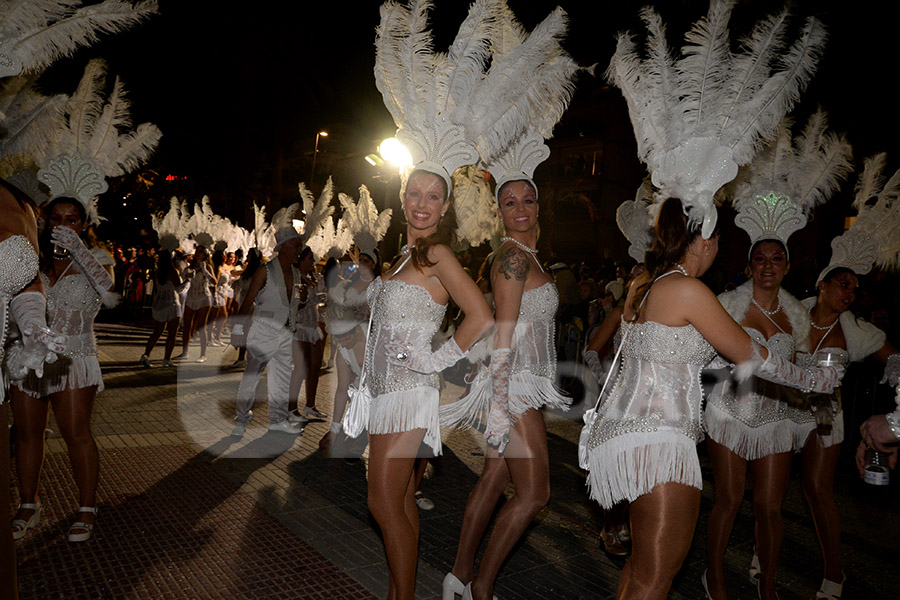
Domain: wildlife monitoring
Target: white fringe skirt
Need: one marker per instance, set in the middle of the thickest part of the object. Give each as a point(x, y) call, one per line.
point(630, 465)
point(526, 391)
point(406, 410)
point(752, 442)
point(66, 373)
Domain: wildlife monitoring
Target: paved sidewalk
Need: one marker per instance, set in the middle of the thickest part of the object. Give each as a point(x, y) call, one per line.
point(186, 511)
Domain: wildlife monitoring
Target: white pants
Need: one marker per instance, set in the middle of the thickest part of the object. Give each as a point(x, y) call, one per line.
point(268, 347)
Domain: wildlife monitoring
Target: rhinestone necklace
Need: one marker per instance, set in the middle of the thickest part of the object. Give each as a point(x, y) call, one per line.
point(681, 269)
point(519, 244)
point(768, 313)
point(821, 327)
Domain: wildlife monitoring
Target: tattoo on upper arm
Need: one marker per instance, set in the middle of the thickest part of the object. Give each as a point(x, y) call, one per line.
point(513, 264)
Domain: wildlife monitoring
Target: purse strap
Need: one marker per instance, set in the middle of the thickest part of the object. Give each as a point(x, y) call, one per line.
point(612, 368)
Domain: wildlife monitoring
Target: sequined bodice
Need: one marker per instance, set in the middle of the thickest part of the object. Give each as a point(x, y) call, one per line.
point(18, 264)
point(534, 335)
point(72, 305)
point(402, 313)
point(780, 343)
point(659, 383)
point(656, 342)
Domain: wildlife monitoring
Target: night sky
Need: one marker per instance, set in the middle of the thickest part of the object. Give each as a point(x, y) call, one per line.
point(226, 85)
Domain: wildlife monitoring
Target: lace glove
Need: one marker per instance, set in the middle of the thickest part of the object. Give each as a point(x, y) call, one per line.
point(39, 343)
point(592, 360)
point(87, 262)
point(892, 370)
point(821, 380)
point(422, 360)
point(497, 433)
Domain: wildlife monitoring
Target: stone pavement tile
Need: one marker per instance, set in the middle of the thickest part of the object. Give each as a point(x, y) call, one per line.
point(189, 534)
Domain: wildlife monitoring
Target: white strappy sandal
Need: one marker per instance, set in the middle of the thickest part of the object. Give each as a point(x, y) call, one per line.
point(88, 528)
point(20, 526)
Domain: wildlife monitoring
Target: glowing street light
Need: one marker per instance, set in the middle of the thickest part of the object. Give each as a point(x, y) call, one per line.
point(395, 153)
point(315, 154)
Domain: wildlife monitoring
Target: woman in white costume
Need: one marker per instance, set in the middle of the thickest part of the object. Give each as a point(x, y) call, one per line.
point(758, 426)
point(166, 309)
point(76, 280)
point(408, 304)
point(837, 332)
point(198, 302)
point(519, 382)
point(308, 337)
point(642, 445)
point(346, 321)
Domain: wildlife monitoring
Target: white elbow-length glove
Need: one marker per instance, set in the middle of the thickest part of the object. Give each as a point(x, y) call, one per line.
point(821, 380)
point(87, 262)
point(423, 360)
point(39, 343)
point(891, 370)
point(497, 432)
point(592, 360)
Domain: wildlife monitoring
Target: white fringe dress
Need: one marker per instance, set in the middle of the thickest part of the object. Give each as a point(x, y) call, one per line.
point(532, 371)
point(646, 432)
point(402, 400)
point(72, 306)
point(862, 339)
point(753, 420)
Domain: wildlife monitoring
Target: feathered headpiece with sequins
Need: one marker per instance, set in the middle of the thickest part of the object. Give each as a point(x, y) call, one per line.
point(776, 192)
point(90, 147)
point(874, 235)
point(366, 225)
point(699, 117)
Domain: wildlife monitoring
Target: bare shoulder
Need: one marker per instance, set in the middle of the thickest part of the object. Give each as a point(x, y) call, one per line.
point(512, 262)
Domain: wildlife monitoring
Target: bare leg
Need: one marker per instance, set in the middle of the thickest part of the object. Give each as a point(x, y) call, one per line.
point(171, 335)
point(299, 352)
point(817, 476)
point(203, 329)
point(529, 468)
point(314, 358)
point(154, 337)
point(662, 527)
point(187, 324)
point(730, 473)
point(72, 409)
point(391, 486)
point(771, 476)
point(30, 415)
point(344, 379)
point(8, 585)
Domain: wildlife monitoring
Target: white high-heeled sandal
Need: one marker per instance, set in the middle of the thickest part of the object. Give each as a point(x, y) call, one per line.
point(830, 590)
point(20, 526)
point(453, 587)
point(88, 527)
point(754, 569)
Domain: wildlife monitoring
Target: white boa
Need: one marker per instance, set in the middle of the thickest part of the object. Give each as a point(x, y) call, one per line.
point(862, 337)
point(737, 303)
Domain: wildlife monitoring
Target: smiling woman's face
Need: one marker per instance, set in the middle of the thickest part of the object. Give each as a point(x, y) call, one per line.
point(425, 200)
point(518, 206)
point(838, 293)
point(768, 265)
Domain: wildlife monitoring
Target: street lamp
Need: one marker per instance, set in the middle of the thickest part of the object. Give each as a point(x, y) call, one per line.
point(394, 152)
point(312, 173)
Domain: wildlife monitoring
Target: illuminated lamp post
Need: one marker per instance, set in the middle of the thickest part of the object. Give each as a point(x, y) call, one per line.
point(312, 173)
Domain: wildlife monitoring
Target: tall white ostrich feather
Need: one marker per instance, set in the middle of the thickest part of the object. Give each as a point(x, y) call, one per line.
point(365, 224)
point(35, 33)
point(698, 117)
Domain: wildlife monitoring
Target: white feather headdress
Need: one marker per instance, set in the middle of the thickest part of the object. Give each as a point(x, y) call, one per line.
point(521, 97)
point(423, 90)
point(317, 211)
point(874, 235)
point(365, 224)
point(633, 219)
point(698, 117)
point(170, 227)
point(35, 33)
point(90, 147)
point(775, 193)
point(28, 122)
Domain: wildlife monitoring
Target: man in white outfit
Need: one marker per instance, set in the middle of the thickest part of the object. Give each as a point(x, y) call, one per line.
point(269, 340)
